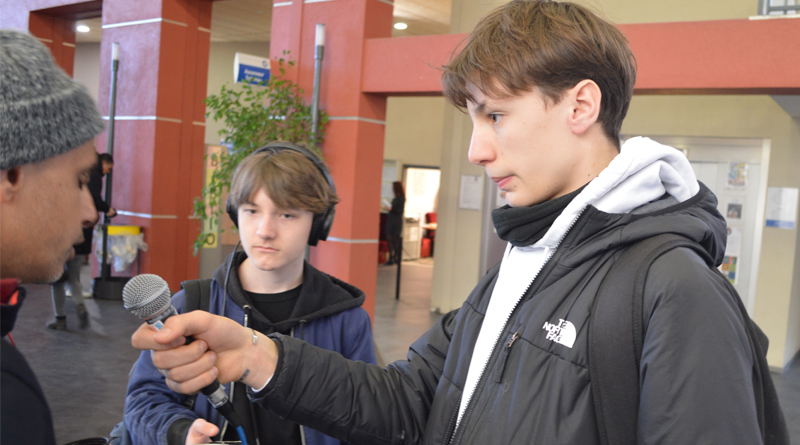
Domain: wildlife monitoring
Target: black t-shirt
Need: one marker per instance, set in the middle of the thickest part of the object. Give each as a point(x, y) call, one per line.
point(275, 307)
point(272, 430)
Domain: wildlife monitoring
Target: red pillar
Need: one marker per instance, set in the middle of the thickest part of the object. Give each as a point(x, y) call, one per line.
point(58, 34)
point(159, 132)
point(159, 135)
point(353, 145)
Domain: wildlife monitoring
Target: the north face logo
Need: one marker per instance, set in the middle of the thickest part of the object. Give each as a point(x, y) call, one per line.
point(562, 333)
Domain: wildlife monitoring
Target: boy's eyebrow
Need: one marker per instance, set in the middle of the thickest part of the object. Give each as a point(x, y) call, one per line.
point(479, 106)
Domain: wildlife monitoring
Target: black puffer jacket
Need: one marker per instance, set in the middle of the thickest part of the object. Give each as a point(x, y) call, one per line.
point(696, 366)
point(26, 415)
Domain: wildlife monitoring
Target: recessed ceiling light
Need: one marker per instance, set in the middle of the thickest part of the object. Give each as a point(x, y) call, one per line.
point(400, 25)
point(83, 28)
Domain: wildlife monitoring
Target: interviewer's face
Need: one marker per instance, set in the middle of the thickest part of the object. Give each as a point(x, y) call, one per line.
point(45, 206)
point(521, 143)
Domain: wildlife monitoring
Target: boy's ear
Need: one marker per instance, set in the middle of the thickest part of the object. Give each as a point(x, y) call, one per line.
point(586, 97)
point(10, 183)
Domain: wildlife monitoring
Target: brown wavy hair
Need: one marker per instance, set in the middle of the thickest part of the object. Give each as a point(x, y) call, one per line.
point(551, 46)
point(289, 178)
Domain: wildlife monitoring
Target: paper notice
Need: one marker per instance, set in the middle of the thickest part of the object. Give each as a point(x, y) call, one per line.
point(782, 207)
point(471, 192)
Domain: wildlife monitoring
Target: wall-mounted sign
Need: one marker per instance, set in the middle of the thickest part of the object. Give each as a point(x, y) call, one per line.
point(782, 207)
point(471, 192)
point(250, 69)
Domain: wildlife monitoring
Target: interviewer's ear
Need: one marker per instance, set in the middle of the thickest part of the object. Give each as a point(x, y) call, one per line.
point(10, 183)
point(585, 98)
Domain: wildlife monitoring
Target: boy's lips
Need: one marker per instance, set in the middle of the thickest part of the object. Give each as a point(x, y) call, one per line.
point(501, 181)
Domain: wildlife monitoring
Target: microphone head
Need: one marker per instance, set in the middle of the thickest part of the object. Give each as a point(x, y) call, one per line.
point(146, 295)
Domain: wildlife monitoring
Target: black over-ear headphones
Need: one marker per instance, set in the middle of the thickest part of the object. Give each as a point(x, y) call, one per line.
point(321, 225)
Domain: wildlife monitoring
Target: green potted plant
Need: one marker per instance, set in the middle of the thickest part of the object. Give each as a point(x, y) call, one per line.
point(254, 115)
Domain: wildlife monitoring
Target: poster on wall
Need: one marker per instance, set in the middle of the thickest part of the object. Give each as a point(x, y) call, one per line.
point(782, 207)
point(737, 175)
point(728, 267)
point(734, 210)
point(734, 244)
point(470, 194)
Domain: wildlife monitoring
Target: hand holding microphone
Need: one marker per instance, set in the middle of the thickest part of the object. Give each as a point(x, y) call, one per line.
point(148, 297)
point(189, 366)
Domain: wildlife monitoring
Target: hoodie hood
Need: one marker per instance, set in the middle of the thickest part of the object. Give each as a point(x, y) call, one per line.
point(321, 295)
point(648, 189)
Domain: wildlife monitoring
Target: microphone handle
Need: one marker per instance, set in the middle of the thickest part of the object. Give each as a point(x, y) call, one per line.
point(214, 392)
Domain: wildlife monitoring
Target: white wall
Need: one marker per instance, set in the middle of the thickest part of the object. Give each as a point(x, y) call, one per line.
point(87, 67)
point(414, 128)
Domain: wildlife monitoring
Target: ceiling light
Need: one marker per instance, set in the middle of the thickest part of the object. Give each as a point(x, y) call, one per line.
point(400, 25)
point(83, 28)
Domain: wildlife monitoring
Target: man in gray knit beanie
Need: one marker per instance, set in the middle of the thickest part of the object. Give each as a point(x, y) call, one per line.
point(47, 126)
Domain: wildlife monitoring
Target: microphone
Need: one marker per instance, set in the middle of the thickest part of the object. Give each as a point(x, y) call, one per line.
point(147, 296)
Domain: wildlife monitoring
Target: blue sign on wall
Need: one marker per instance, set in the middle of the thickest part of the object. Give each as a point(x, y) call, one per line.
point(250, 69)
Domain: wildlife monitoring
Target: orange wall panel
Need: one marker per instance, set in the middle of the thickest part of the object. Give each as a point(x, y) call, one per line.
point(201, 88)
point(724, 56)
point(407, 65)
point(166, 167)
point(139, 65)
point(133, 164)
point(120, 11)
point(173, 59)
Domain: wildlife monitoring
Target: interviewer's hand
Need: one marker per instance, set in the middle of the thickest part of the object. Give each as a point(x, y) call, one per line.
point(201, 432)
point(223, 350)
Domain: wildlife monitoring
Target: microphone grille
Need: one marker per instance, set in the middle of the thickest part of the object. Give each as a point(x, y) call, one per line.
point(146, 295)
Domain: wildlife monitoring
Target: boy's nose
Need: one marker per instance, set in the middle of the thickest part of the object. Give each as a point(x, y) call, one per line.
point(481, 150)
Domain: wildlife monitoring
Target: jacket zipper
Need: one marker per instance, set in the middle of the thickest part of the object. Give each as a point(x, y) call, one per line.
point(292, 333)
point(481, 382)
point(498, 375)
point(451, 425)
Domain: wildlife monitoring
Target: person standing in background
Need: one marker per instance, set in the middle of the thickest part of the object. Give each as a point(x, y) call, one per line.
point(72, 270)
point(394, 224)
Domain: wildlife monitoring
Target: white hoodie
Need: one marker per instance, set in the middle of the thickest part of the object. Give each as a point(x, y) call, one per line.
point(643, 172)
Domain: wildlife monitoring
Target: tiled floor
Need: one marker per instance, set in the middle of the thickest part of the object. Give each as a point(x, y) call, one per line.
point(84, 373)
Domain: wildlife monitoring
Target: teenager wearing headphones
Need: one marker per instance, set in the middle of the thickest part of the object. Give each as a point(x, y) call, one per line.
point(282, 198)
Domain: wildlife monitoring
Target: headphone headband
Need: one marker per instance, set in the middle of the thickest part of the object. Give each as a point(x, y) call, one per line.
point(322, 223)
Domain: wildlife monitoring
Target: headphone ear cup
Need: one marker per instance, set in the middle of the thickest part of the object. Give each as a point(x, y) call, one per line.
point(321, 226)
point(233, 213)
point(327, 222)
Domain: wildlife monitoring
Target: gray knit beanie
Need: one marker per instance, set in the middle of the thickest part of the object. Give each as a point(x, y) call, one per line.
point(43, 112)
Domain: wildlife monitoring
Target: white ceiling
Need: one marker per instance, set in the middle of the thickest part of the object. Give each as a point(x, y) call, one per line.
point(250, 20)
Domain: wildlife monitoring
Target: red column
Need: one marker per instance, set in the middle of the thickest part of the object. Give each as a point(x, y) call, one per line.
point(159, 135)
point(159, 131)
point(58, 34)
point(353, 145)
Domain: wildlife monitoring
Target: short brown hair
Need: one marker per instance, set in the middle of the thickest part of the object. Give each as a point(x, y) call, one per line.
point(548, 45)
point(289, 178)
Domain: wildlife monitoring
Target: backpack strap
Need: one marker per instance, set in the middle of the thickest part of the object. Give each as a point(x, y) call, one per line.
point(616, 337)
point(197, 295)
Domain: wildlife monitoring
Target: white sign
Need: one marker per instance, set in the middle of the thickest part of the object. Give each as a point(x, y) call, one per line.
point(470, 194)
point(734, 245)
point(250, 69)
point(782, 207)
